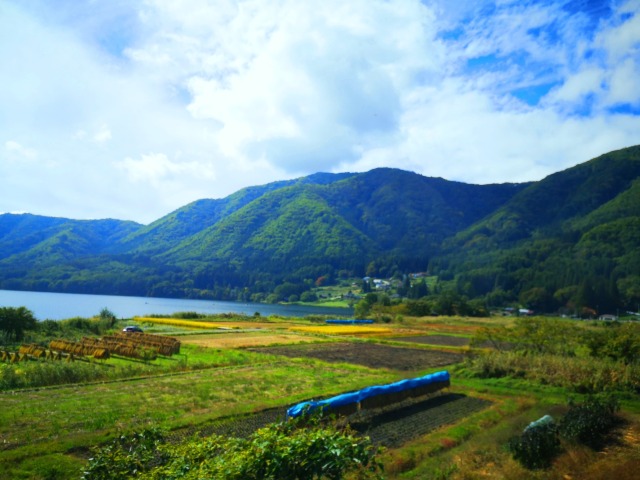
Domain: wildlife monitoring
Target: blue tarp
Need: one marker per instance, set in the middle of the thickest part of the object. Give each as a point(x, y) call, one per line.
point(368, 392)
point(338, 321)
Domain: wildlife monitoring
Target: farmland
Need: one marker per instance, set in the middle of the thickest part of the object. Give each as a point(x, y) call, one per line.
point(369, 355)
point(243, 374)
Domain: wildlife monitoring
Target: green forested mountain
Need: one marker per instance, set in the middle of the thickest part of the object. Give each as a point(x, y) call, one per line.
point(168, 231)
point(569, 240)
point(33, 238)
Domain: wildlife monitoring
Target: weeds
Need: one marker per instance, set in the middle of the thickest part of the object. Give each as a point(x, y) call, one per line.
point(581, 375)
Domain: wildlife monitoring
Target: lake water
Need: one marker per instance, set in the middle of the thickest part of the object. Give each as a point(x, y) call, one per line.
point(59, 306)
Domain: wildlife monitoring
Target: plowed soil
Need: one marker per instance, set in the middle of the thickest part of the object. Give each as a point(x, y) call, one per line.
point(391, 427)
point(394, 427)
point(369, 354)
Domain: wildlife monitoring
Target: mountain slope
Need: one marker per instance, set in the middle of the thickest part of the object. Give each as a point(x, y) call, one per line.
point(343, 223)
point(168, 231)
point(557, 200)
point(574, 230)
point(569, 240)
point(33, 235)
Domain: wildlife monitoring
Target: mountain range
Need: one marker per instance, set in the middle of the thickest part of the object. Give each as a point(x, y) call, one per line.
point(568, 239)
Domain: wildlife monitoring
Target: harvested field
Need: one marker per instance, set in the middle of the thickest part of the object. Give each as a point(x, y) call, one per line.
point(238, 340)
point(369, 354)
point(390, 427)
point(443, 340)
point(394, 427)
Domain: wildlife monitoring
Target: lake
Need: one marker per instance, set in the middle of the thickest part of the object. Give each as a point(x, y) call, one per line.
point(59, 306)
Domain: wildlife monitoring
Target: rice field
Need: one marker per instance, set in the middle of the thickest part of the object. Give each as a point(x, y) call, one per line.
point(179, 322)
point(220, 325)
point(356, 330)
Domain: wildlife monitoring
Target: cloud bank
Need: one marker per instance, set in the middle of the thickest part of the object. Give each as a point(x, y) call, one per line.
point(130, 109)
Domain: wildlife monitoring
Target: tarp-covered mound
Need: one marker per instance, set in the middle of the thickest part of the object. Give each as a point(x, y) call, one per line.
point(376, 396)
point(338, 321)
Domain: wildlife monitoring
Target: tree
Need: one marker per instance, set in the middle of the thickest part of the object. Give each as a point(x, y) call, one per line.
point(14, 322)
point(538, 299)
point(107, 318)
point(308, 297)
point(418, 290)
point(362, 309)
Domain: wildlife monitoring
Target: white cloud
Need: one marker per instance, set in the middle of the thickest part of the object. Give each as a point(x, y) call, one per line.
point(15, 149)
point(304, 84)
point(102, 135)
point(133, 108)
point(579, 85)
point(623, 40)
point(158, 170)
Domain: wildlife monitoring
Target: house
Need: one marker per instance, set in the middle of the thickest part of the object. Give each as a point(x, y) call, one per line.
point(608, 317)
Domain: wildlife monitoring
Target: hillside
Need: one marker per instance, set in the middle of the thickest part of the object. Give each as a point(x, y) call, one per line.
point(569, 240)
point(384, 213)
point(36, 239)
point(547, 244)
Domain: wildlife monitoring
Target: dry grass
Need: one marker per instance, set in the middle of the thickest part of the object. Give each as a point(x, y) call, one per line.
point(239, 340)
point(620, 460)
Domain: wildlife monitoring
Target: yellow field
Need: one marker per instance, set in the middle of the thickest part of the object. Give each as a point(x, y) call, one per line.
point(178, 322)
point(224, 325)
point(342, 330)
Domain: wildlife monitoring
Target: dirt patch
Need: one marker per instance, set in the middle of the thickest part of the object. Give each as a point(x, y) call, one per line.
point(369, 355)
point(237, 340)
point(444, 340)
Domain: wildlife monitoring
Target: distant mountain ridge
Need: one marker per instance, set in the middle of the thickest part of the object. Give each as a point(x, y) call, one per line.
point(485, 239)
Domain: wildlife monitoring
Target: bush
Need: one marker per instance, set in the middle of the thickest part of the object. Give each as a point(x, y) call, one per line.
point(127, 456)
point(188, 315)
point(14, 322)
point(581, 375)
point(536, 447)
point(308, 297)
point(588, 423)
point(283, 451)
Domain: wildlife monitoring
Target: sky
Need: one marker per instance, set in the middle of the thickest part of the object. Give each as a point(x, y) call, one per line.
point(130, 109)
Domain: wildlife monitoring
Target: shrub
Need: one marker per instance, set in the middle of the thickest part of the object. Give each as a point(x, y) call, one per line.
point(536, 447)
point(581, 375)
point(14, 322)
point(125, 457)
point(308, 297)
point(589, 421)
point(283, 451)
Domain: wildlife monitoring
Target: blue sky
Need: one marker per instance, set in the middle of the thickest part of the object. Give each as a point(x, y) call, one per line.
point(132, 108)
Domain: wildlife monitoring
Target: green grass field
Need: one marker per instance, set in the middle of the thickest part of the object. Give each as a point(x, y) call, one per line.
point(48, 432)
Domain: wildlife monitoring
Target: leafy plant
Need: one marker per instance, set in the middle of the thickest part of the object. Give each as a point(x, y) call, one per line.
point(588, 422)
point(14, 322)
point(536, 447)
point(283, 451)
point(127, 456)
